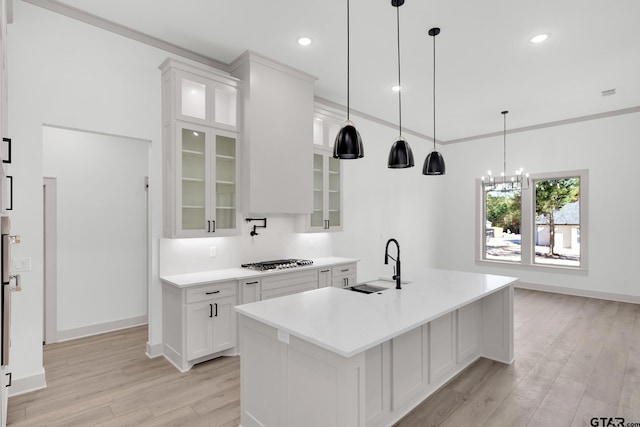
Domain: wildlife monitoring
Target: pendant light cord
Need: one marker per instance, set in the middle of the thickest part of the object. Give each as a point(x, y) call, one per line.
point(399, 84)
point(434, 93)
point(348, 56)
point(504, 144)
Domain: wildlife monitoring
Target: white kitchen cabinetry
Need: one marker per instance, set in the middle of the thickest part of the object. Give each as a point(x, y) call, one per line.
point(343, 276)
point(327, 176)
point(199, 322)
point(200, 139)
point(324, 277)
point(277, 106)
point(278, 285)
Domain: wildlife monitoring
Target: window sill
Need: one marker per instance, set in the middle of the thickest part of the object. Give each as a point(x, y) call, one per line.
point(581, 271)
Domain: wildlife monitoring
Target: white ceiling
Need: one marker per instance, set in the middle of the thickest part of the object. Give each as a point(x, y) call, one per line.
point(485, 62)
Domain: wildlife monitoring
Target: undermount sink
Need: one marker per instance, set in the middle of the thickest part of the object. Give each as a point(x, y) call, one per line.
point(375, 286)
point(366, 288)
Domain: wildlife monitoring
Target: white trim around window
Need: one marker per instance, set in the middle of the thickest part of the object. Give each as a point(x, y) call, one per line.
point(528, 225)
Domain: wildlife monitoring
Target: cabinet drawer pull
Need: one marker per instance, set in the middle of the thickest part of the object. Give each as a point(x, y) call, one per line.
point(216, 315)
point(10, 179)
point(212, 292)
point(252, 283)
point(8, 159)
point(344, 271)
point(324, 271)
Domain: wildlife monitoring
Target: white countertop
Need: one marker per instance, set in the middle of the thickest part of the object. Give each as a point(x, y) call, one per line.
point(347, 322)
point(239, 273)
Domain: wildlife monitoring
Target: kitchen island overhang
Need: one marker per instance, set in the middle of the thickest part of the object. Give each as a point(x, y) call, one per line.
point(335, 357)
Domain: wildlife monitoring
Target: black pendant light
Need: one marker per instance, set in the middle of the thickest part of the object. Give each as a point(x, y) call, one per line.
point(434, 163)
point(400, 155)
point(348, 144)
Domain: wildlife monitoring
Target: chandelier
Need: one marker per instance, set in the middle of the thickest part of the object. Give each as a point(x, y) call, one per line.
point(516, 182)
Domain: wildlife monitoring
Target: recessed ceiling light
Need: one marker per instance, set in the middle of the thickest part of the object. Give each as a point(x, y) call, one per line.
point(539, 38)
point(396, 88)
point(304, 41)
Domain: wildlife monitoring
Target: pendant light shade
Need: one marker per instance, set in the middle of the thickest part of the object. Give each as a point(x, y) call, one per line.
point(400, 155)
point(434, 163)
point(348, 143)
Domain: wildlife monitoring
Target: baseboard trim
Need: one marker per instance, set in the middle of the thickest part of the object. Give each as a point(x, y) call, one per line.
point(27, 384)
point(610, 296)
point(101, 328)
point(154, 350)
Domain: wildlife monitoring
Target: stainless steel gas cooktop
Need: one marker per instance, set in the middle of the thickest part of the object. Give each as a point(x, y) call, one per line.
point(278, 264)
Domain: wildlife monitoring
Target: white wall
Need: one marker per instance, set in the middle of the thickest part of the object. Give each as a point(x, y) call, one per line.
point(101, 229)
point(609, 148)
point(70, 74)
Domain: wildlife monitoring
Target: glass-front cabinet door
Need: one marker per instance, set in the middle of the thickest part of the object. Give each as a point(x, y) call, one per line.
point(206, 192)
point(327, 194)
point(205, 101)
point(194, 186)
point(225, 182)
point(327, 179)
point(334, 194)
point(317, 216)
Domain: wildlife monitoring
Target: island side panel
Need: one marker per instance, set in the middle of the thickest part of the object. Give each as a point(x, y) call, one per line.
point(497, 326)
point(297, 383)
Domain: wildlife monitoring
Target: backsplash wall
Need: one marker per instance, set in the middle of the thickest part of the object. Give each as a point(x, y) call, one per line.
point(278, 240)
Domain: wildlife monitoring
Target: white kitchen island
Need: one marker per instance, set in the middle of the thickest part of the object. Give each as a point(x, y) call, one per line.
point(334, 357)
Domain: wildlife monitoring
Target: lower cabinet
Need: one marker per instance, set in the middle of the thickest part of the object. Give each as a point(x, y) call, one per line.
point(210, 327)
point(199, 322)
point(343, 276)
point(405, 370)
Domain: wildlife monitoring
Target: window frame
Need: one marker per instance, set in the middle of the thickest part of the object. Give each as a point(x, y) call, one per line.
point(528, 225)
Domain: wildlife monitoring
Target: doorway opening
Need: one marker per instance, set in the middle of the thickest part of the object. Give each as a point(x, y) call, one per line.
point(96, 232)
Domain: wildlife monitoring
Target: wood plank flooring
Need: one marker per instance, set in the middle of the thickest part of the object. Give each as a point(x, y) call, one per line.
point(576, 358)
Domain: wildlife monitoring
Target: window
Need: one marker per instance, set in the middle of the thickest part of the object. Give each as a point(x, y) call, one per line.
point(542, 224)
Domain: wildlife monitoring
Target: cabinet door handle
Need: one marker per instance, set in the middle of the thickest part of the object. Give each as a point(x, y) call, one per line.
point(10, 378)
point(214, 226)
point(210, 310)
point(8, 141)
point(252, 283)
point(216, 315)
point(208, 226)
point(212, 292)
point(10, 178)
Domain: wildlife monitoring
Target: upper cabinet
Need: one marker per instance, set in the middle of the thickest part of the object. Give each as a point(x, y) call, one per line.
point(277, 110)
point(200, 140)
point(327, 176)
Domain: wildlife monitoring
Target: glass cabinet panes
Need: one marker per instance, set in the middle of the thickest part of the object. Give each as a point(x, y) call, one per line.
point(193, 179)
point(318, 131)
point(334, 192)
point(225, 182)
point(225, 107)
point(194, 99)
point(317, 216)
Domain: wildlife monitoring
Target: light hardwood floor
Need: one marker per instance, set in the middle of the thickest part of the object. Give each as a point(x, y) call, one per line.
point(576, 358)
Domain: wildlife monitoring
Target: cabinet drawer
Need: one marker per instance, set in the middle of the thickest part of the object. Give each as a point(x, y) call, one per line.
point(214, 290)
point(288, 290)
point(343, 281)
point(343, 270)
point(289, 279)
